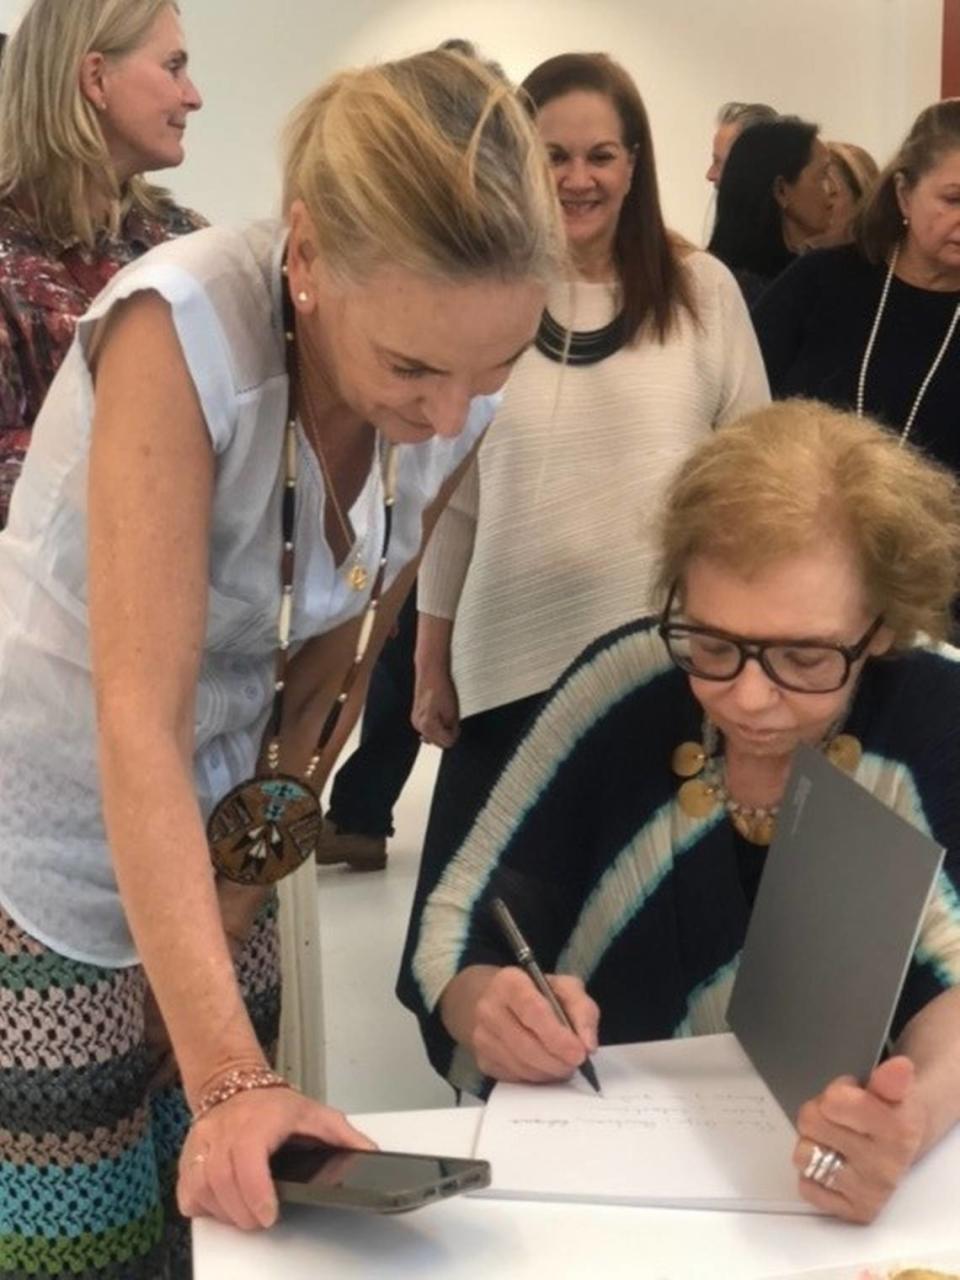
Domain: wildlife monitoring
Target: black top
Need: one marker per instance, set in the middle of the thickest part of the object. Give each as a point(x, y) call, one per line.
point(752, 284)
point(813, 323)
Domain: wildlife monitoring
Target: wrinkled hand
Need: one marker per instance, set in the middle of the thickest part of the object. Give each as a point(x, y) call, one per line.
point(436, 708)
point(878, 1131)
point(224, 1171)
point(516, 1035)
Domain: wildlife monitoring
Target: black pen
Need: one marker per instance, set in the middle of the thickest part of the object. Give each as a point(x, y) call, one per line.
point(527, 960)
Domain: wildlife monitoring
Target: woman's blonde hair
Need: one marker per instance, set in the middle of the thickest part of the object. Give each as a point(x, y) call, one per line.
point(782, 480)
point(856, 167)
point(429, 163)
point(53, 158)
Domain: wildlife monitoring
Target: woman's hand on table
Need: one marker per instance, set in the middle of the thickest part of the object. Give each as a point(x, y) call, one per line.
point(511, 1030)
point(878, 1130)
point(224, 1165)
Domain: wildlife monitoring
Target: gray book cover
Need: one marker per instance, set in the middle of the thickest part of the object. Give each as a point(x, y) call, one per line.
point(833, 928)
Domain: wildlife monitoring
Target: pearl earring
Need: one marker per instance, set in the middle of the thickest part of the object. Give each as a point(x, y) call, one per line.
point(302, 296)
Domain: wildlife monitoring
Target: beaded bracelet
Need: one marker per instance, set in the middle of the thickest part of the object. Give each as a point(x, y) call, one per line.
point(238, 1081)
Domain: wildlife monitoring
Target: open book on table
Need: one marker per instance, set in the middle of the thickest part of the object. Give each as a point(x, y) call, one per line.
point(684, 1122)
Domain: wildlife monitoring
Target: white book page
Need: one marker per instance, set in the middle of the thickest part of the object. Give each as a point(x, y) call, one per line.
point(684, 1122)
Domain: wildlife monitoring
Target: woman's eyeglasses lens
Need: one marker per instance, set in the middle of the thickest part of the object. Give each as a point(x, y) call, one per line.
point(805, 668)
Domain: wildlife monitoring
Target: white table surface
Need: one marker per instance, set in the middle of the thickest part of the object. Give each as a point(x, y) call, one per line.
point(467, 1238)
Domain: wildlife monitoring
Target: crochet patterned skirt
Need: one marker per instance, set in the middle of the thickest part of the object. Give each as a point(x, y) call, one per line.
point(88, 1154)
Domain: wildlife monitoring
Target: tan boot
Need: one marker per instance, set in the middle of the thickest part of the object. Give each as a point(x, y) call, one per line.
point(360, 853)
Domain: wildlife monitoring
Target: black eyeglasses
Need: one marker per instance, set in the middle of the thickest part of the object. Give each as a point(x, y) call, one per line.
point(802, 666)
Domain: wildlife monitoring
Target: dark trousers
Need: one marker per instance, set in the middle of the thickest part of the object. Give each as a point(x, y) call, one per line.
point(368, 785)
point(467, 773)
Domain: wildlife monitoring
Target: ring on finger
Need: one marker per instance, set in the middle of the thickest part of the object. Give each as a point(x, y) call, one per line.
point(824, 1166)
point(838, 1167)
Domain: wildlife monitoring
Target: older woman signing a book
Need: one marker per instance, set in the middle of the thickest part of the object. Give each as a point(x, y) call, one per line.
point(808, 564)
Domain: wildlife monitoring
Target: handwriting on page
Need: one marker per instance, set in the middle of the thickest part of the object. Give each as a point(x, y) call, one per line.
point(680, 1122)
point(663, 1112)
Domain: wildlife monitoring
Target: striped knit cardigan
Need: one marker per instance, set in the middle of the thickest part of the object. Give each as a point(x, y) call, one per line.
point(610, 879)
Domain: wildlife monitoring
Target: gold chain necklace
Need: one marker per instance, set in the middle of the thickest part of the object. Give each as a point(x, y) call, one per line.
point(705, 788)
point(356, 573)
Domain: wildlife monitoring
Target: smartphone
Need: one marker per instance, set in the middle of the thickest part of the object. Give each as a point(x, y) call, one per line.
point(309, 1172)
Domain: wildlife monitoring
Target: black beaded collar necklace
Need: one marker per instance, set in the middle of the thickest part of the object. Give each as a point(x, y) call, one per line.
point(566, 346)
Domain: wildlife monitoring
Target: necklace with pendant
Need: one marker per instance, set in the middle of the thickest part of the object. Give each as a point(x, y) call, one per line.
point(705, 789)
point(269, 825)
point(868, 352)
point(356, 572)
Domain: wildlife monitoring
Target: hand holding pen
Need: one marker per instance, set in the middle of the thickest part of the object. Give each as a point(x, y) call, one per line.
point(547, 1025)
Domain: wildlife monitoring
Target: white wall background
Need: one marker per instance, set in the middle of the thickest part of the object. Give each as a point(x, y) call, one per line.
point(862, 68)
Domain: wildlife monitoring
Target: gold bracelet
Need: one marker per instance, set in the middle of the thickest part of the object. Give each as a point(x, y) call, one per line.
point(238, 1081)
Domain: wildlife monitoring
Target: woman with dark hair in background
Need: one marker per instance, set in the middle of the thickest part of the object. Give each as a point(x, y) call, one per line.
point(549, 540)
point(872, 325)
point(92, 95)
point(775, 196)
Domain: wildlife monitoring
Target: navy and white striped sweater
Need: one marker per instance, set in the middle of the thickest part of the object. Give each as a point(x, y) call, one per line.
point(608, 877)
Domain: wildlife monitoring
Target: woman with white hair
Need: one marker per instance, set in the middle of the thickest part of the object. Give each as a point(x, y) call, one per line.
point(93, 94)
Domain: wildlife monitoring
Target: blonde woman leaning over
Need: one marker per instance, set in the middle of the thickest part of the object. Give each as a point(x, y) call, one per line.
point(807, 564)
point(250, 441)
point(93, 94)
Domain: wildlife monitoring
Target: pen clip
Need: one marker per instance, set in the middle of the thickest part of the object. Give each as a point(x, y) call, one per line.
point(517, 942)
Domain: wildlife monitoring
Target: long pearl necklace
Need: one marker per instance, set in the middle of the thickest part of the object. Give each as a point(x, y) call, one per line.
point(868, 352)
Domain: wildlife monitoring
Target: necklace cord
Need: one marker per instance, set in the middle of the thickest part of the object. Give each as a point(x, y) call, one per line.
point(288, 522)
point(871, 341)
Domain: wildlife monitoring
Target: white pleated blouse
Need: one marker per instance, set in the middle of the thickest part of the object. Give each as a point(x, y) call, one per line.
point(550, 540)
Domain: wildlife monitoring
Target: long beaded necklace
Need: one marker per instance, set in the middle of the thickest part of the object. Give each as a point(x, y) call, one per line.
point(705, 788)
point(868, 352)
point(268, 825)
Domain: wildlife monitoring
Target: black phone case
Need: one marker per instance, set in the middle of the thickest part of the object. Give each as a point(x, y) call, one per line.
point(473, 1175)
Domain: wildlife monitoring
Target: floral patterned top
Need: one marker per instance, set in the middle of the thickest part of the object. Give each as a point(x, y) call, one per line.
point(42, 295)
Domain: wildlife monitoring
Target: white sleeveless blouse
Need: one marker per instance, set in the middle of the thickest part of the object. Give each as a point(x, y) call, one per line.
point(224, 290)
